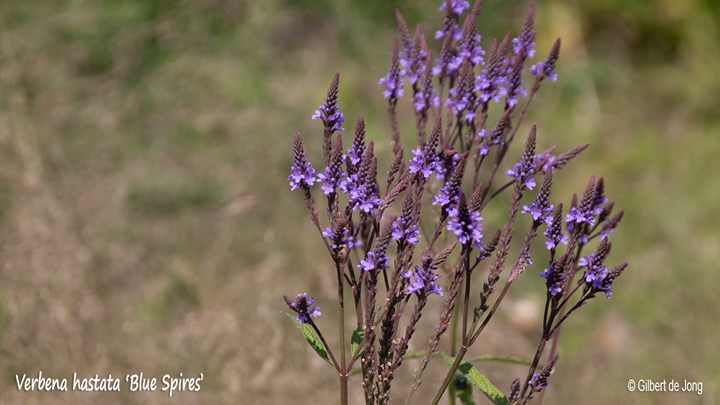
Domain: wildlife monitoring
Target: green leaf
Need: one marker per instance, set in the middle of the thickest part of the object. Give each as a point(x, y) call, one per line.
point(479, 380)
point(312, 338)
point(508, 358)
point(356, 340)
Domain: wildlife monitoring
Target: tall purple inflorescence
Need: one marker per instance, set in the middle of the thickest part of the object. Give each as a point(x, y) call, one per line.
point(329, 111)
point(362, 185)
point(491, 83)
point(392, 81)
point(546, 68)
point(525, 43)
point(302, 173)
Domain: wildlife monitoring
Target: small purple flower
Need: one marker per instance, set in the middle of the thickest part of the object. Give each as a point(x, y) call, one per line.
point(392, 81)
point(546, 68)
point(303, 307)
point(333, 175)
point(425, 162)
point(412, 61)
point(514, 84)
point(456, 6)
point(393, 85)
point(340, 236)
point(578, 216)
point(490, 85)
point(538, 210)
point(554, 279)
point(329, 112)
point(404, 231)
point(471, 50)
point(374, 261)
point(554, 233)
point(541, 69)
point(524, 43)
point(466, 224)
point(538, 382)
point(302, 173)
point(425, 98)
point(548, 161)
point(523, 172)
point(422, 281)
point(582, 216)
point(358, 147)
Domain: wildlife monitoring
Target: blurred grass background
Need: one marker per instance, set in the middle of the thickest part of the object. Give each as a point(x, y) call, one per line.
point(146, 223)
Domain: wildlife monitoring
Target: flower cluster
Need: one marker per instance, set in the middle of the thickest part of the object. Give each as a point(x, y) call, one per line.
point(466, 224)
point(467, 149)
point(554, 278)
point(422, 280)
point(302, 173)
point(303, 307)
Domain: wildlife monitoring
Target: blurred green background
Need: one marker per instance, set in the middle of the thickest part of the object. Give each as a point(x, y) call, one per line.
point(146, 223)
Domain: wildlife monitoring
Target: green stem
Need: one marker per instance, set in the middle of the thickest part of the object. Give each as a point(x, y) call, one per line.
point(341, 330)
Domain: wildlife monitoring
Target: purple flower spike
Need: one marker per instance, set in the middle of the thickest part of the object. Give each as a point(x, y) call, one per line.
point(303, 307)
point(302, 173)
point(546, 68)
point(358, 145)
point(422, 280)
point(404, 228)
point(538, 211)
point(449, 194)
point(329, 112)
point(524, 169)
point(340, 236)
point(392, 81)
point(540, 208)
point(333, 175)
point(554, 233)
point(525, 44)
point(426, 161)
point(466, 224)
point(554, 279)
point(585, 212)
point(374, 261)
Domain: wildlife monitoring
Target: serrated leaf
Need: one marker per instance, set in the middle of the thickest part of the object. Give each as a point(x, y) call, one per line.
point(508, 358)
point(312, 338)
point(356, 339)
point(479, 380)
